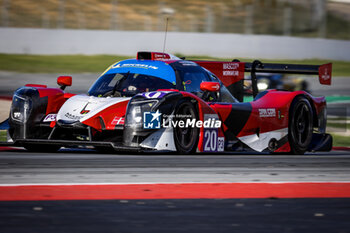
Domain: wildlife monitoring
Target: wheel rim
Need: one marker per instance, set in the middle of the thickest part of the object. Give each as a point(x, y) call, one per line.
point(302, 125)
point(185, 136)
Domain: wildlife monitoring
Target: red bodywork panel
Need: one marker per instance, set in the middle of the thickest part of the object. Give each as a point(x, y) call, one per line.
point(210, 86)
point(64, 81)
point(55, 98)
point(227, 72)
point(111, 117)
point(325, 74)
point(268, 113)
point(35, 85)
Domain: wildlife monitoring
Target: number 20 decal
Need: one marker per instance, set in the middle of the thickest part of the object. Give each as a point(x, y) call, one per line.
point(213, 143)
point(210, 140)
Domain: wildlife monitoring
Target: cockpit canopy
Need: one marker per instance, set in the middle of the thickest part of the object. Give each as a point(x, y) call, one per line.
point(130, 77)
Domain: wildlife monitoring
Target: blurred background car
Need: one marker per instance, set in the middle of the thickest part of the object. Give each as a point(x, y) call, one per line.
point(277, 81)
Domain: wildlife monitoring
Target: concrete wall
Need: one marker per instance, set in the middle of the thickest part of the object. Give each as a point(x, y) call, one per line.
point(49, 41)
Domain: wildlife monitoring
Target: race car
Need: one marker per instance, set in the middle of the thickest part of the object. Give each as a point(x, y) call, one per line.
point(158, 102)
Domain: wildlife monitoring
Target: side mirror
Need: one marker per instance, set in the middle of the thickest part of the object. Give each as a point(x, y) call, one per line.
point(64, 81)
point(210, 86)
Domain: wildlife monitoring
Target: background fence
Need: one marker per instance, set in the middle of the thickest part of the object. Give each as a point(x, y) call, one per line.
point(306, 18)
point(63, 41)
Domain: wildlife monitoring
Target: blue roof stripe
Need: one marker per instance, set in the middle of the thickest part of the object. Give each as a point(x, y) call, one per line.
point(154, 68)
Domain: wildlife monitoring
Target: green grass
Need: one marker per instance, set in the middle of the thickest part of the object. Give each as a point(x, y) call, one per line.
point(337, 125)
point(340, 140)
point(3, 136)
point(57, 63)
point(98, 63)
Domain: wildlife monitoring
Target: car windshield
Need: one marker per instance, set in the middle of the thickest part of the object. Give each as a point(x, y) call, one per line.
point(127, 85)
point(191, 75)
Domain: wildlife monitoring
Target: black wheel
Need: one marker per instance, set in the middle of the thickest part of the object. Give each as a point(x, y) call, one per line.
point(186, 138)
point(300, 125)
point(41, 148)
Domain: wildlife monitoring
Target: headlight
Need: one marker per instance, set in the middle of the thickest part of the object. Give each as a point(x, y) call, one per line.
point(135, 112)
point(20, 108)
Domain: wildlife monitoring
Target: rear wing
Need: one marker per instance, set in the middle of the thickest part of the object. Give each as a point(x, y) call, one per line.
point(231, 74)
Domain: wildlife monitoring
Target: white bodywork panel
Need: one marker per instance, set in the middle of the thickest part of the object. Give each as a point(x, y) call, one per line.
point(162, 139)
point(261, 142)
point(71, 110)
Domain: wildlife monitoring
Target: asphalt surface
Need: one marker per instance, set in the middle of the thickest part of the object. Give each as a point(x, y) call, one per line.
point(69, 167)
point(187, 215)
point(151, 216)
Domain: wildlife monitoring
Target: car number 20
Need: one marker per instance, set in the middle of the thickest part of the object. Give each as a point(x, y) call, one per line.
point(212, 142)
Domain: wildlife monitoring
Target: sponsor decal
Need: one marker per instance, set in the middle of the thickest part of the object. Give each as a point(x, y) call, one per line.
point(84, 110)
point(160, 56)
point(230, 69)
point(118, 121)
point(50, 117)
point(230, 73)
point(142, 66)
point(326, 75)
point(221, 144)
point(151, 120)
point(73, 117)
point(188, 63)
point(267, 112)
point(154, 94)
point(17, 115)
point(231, 66)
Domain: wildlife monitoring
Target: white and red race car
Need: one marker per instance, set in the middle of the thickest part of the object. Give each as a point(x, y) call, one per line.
point(162, 103)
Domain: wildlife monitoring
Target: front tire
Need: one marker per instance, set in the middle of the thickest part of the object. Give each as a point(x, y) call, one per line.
point(300, 125)
point(186, 139)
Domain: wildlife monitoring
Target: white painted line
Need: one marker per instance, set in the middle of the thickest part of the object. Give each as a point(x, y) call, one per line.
point(150, 183)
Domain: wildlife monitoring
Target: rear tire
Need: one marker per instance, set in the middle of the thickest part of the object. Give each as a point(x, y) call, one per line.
point(186, 139)
point(300, 125)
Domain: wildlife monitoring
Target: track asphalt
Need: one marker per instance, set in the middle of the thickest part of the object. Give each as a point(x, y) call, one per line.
point(81, 191)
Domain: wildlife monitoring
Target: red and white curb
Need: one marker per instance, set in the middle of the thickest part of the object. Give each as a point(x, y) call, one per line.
point(341, 148)
point(174, 191)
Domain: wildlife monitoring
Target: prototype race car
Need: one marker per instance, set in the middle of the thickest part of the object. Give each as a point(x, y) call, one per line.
point(158, 102)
